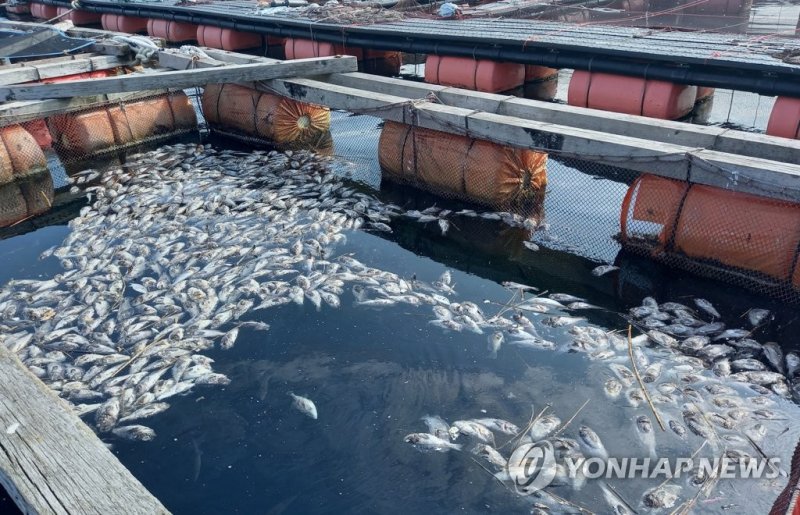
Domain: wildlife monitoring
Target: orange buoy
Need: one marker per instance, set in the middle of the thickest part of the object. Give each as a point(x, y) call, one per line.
point(82, 134)
point(20, 155)
point(122, 23)
point(79, 17)
point(38, 129)
point(712, 227)
point(478, 75)
point(227, 39)
point(172, 31)
point(43, 12)
point(382, 62)
point(539, 73)
point(252, 113)
point(784, 121)
point(473, 170)
point(631, 95)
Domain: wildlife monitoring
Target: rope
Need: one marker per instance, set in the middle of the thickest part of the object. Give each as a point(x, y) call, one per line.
point(144, 49)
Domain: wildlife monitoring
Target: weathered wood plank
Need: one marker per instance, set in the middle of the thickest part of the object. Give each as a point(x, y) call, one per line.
point(51, 462)
point(34, 71)
point(678, 133)
point(18, 112)
point(180, 78)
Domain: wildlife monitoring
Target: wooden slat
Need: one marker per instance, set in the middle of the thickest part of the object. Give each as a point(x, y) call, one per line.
point(36, 71)
point(685, 162)
point(678, 133)
point(180, 79)
point(51, 462)
point(18, 112)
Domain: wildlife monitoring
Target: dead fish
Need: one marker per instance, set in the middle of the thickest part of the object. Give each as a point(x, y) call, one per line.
point(646, 435)
point(678, 429)
point(774, 356)
point(792, 363)
point(229, 339)
point(426, 441)
point(498, 424)
point(612, 388)
point(652, 373)
point(490, 454)
point(590, 443)
point(495, 341)
point(564, 297)
point(624, 373)
point(709, 329)
point(747, 364)
point(543, 427)
point(663, 496)
point(707, 307)
point(472, 429)
point(756, 316)
point(561, 321)
point(662, 339)
point(531, 245)
point(603, 269)
point(304, 405)
point(107, 415)
point(136, 432)
point(731, 334)
point(437, 426)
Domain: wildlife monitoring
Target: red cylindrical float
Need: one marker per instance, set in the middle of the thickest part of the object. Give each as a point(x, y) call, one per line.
point(704, 93)
point(172, 31)
point(43, 12)
point(121, 23)
point(537, 73)
point(382, 62)
point(38, 129)
point(631, 95)
point(712, 226)
point(785, 118)
point(227, 39)
point(479, 75)
point(79, 17)
point(20, 154)
point(79, 135)
point(379, 62)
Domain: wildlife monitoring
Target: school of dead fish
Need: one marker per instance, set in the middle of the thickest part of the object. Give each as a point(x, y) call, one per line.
point(178, 247)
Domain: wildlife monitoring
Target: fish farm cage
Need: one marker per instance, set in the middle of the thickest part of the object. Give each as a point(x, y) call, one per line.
point(545, 201)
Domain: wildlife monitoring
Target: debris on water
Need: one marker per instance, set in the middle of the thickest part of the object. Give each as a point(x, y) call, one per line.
point(603, 270)
point(10, 430)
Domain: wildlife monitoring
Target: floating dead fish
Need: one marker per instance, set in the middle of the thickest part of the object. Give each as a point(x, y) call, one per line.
point(561, 321)
point(543, 427)
point(304, 405)
point(437, 426)
point(490, 454)
point(429, 442)
point(707, 307)
point(472, 429)
point(590, 443)
point(604, 269)
point(757, 316)
point(646, 435)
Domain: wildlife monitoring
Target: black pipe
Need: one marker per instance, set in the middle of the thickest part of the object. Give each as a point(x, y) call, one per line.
point(708, 74)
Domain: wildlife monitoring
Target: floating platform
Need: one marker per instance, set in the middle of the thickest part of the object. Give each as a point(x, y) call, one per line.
point(756, 64)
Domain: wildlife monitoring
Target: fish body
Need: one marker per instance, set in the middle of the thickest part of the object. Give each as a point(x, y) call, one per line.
point(304, 405)
point(429, 442)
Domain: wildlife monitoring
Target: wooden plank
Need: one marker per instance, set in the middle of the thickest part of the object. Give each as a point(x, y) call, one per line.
point(731, 171)
point(35, 71)
point(51, 462)
point(18, 112)
point(181, 79)
point(678, 133)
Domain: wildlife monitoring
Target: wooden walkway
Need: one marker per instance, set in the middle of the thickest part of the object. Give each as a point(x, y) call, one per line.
point(53, 463)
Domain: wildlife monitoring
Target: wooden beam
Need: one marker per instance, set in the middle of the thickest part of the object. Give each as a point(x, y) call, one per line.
point(678, 133)
point(684, 162)
point(181, 79)
point(34, 71)
point(51, 462)
point(18, 112)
